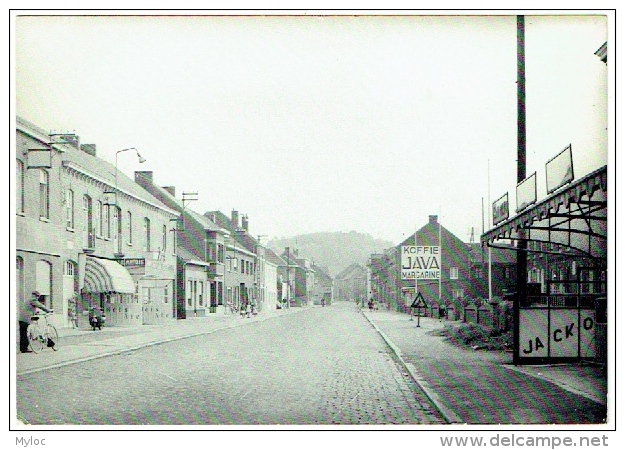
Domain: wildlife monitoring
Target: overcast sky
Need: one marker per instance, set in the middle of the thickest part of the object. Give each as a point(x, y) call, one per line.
point(334, 123)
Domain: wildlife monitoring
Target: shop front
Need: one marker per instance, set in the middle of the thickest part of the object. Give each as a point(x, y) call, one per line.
point(561, 312)
point(155, 281)
point(109, 286)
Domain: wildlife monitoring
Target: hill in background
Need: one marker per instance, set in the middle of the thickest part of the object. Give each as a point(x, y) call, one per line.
point(333, 251)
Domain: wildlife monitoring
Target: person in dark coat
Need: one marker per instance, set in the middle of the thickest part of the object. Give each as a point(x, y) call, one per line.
point(26, 310)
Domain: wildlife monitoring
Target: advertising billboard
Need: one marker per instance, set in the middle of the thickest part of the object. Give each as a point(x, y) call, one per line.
point(526, 193)
point(501, 209)
point(556, 333)
point(420, 262)
point(559, 170)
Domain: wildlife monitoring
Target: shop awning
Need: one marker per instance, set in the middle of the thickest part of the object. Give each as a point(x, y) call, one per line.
point(572, 221)
point(104, 275)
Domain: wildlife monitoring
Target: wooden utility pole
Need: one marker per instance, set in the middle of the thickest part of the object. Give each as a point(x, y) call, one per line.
point(521, 254)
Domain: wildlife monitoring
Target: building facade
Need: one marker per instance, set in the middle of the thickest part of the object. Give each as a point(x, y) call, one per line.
point(200, 250)
point(240, 278)
point(452, 280)
point(299, 277)
point(86, 231)
point(323, 291)
point(351, 283)
point(274, 283)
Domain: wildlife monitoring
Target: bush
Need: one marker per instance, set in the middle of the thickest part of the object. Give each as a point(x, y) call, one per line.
point(478, 336)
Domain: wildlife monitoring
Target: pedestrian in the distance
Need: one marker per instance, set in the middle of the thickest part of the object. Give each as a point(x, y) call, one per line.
point(26, 311)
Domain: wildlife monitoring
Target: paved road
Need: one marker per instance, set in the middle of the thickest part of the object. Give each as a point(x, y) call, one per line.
point(322, 366)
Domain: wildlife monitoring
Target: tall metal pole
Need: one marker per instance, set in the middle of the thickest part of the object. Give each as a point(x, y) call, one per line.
point(521, 153)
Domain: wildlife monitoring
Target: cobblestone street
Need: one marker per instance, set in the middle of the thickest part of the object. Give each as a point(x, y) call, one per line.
point(321, 366)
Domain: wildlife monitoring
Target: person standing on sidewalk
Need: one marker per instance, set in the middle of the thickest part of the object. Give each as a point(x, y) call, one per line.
point(72, 312)
point(25, 313)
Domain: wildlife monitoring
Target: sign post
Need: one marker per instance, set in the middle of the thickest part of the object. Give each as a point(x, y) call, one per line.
point(418, 303)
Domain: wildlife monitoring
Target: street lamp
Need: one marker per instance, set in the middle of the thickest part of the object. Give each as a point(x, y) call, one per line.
point(113, 194)
point(141, 160)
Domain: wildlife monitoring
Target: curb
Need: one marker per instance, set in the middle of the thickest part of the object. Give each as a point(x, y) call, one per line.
point(142, 345)
point(449, 415)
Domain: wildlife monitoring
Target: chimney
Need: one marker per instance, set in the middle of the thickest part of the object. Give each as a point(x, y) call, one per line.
point(145, 176)
point(70, 139)
point(89, 149)
point(235, 219)
point(434, 219)
point(171, 190)
point(245, 224)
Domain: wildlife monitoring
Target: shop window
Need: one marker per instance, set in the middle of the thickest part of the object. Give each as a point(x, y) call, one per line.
point(201, 294)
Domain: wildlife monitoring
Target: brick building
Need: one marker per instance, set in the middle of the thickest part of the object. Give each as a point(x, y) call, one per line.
point(85, 230)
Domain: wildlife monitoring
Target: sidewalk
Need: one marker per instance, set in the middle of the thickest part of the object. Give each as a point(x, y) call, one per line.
point(481, 387)
point(84, 344)
point(468, 387)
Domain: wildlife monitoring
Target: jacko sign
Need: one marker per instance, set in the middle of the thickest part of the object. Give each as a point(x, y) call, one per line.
point(420, 262)
point(556, 333)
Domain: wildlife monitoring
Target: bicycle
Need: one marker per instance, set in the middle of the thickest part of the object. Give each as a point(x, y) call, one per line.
point(41, 332)
point(233, 309)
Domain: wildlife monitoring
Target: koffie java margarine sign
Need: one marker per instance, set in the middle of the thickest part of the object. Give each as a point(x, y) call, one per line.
point(421, 262)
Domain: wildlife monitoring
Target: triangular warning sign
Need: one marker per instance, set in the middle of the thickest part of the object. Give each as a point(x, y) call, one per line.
point(419, 301)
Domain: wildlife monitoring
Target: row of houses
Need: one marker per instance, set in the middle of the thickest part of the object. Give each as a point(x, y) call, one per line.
point(470, 272)
point(558, 294)
point(461, 270)
point(463, 273)
point(86, 231)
